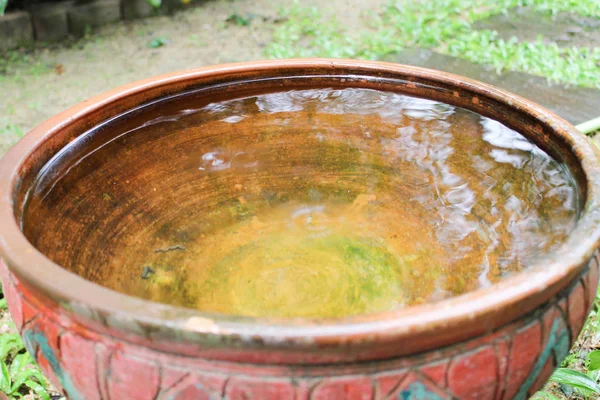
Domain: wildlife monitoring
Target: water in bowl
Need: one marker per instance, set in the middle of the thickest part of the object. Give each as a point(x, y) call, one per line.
point(303, 203)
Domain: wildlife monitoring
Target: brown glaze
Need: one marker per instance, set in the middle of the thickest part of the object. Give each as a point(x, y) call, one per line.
point(375, 336)
point(302, 203)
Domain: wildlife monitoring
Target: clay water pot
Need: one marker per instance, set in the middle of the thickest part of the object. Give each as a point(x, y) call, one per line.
point(498, 342)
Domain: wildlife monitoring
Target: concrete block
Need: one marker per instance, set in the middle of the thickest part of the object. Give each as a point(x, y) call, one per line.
point(94, 14)
point(15, 30)
point(171, 6)
point(50, 21)
point(132, 9)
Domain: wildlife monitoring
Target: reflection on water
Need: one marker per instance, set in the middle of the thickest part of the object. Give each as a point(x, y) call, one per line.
point(309, 203)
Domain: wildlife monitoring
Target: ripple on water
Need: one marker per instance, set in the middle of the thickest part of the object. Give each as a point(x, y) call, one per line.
point(311, 203)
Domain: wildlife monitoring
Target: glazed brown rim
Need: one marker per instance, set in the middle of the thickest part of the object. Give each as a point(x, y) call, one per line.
point(404, 331)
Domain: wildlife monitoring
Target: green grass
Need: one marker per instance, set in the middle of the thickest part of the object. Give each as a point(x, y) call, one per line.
point(446, 26)
point(17, 64)
point(589, 8)
point(580, 372)
point(158, 42)
point(9, 129)
point(569, 65)
point(306, 34)
point(19, 375)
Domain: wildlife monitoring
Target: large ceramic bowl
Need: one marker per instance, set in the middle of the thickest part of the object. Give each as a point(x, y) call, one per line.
point(498, 342)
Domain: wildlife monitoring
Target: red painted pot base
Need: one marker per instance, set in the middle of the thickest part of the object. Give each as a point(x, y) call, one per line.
point(511, 363)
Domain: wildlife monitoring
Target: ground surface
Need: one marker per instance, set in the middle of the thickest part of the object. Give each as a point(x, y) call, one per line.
point(48, 81)
point(35, 85)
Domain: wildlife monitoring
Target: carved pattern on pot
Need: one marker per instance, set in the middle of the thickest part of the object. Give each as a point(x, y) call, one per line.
point(510, 363)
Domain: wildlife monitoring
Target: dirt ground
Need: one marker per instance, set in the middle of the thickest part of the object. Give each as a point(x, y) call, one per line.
point(57, 78)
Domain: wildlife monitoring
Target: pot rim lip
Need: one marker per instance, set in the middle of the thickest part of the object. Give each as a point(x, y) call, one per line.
point(484, 305)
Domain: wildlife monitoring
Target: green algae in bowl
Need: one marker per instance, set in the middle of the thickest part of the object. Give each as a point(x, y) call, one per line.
point(318, 203)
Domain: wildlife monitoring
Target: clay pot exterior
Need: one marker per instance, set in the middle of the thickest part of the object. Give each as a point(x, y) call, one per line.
point(501, 342)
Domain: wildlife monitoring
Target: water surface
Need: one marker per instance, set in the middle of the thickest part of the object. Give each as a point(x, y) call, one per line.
point(304, 203)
